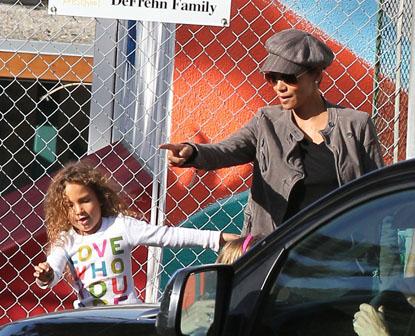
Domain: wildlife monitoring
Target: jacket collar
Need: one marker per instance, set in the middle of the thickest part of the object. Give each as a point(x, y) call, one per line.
point(287, 129)
point(294, 132)
point(284, 126)
point(332, 111)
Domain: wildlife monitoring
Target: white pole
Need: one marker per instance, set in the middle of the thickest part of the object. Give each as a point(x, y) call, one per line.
point(398, 87)
point(158, 98)
point(410, 133)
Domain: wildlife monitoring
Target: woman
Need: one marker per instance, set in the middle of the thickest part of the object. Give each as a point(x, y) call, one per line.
point(301, 149)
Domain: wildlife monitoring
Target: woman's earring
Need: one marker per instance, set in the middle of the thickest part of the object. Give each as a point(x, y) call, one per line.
point(316, 81)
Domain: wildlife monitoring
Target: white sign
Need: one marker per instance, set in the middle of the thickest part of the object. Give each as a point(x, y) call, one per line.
point(199, 12)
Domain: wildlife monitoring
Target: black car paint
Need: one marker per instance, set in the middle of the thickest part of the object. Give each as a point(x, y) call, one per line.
point(109, 320)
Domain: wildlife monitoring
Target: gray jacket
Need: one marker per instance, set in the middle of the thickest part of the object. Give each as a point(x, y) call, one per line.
point(270, 141)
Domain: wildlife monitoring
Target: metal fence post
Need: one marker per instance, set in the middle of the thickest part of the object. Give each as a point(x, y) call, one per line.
point(148, 83)
point(102, 101)
point(398, 87)
point(410, 131)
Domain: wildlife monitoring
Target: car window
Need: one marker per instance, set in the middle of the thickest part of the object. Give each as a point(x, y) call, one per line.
point(357, 257)
point(198, 306)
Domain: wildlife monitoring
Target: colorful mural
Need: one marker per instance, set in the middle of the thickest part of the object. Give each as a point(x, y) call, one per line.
point(218, 88)
point(207, 108)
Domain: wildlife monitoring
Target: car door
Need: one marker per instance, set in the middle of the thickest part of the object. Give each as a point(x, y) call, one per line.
point(313, 274)
point(363, 254)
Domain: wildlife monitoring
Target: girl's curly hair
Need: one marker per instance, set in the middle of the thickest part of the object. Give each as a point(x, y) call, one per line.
point(55, 205)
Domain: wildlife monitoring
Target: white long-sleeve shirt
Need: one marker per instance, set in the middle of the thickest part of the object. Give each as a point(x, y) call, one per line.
point(102, 261)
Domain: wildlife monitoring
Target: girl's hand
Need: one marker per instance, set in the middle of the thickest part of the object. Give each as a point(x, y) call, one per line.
point(44, 273)
point(225, 237)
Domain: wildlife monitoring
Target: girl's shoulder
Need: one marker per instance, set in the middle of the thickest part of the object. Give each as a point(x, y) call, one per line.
point(127, 227)
point(122, 220)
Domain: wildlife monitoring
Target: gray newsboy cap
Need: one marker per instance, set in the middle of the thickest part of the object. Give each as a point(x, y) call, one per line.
point(292, 51)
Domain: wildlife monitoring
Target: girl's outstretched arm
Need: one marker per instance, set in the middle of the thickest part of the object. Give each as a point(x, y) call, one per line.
point(138, 232)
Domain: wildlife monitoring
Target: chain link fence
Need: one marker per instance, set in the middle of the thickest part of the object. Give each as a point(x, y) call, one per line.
point(111, 91)
point(391, 82)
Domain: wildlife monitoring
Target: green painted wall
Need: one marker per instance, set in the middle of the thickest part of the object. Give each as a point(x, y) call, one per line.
point(225, 215)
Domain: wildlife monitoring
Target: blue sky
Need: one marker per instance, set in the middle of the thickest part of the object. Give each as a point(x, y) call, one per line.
point(350, 22)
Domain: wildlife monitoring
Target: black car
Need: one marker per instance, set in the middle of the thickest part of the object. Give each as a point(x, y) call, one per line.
point(309, 277)
point(121, 320)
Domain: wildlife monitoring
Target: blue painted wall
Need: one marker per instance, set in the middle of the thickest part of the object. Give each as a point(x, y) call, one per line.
point(352, 23)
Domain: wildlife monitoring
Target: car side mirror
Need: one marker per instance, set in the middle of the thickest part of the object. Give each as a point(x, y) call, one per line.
point(195, 301)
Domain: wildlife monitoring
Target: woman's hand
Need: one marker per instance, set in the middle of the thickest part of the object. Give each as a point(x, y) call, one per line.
point(225, 237)
point(44, 273)
point(369, 322)
point(177, 154)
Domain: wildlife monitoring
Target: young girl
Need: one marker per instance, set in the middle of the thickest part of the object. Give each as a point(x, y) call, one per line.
point(234, 249)
point(91, 233)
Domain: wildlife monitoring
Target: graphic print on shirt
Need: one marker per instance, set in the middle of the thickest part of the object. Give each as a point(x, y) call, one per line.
point(101, 268)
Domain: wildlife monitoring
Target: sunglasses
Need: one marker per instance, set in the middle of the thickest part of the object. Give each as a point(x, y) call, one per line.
point(274, 77)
